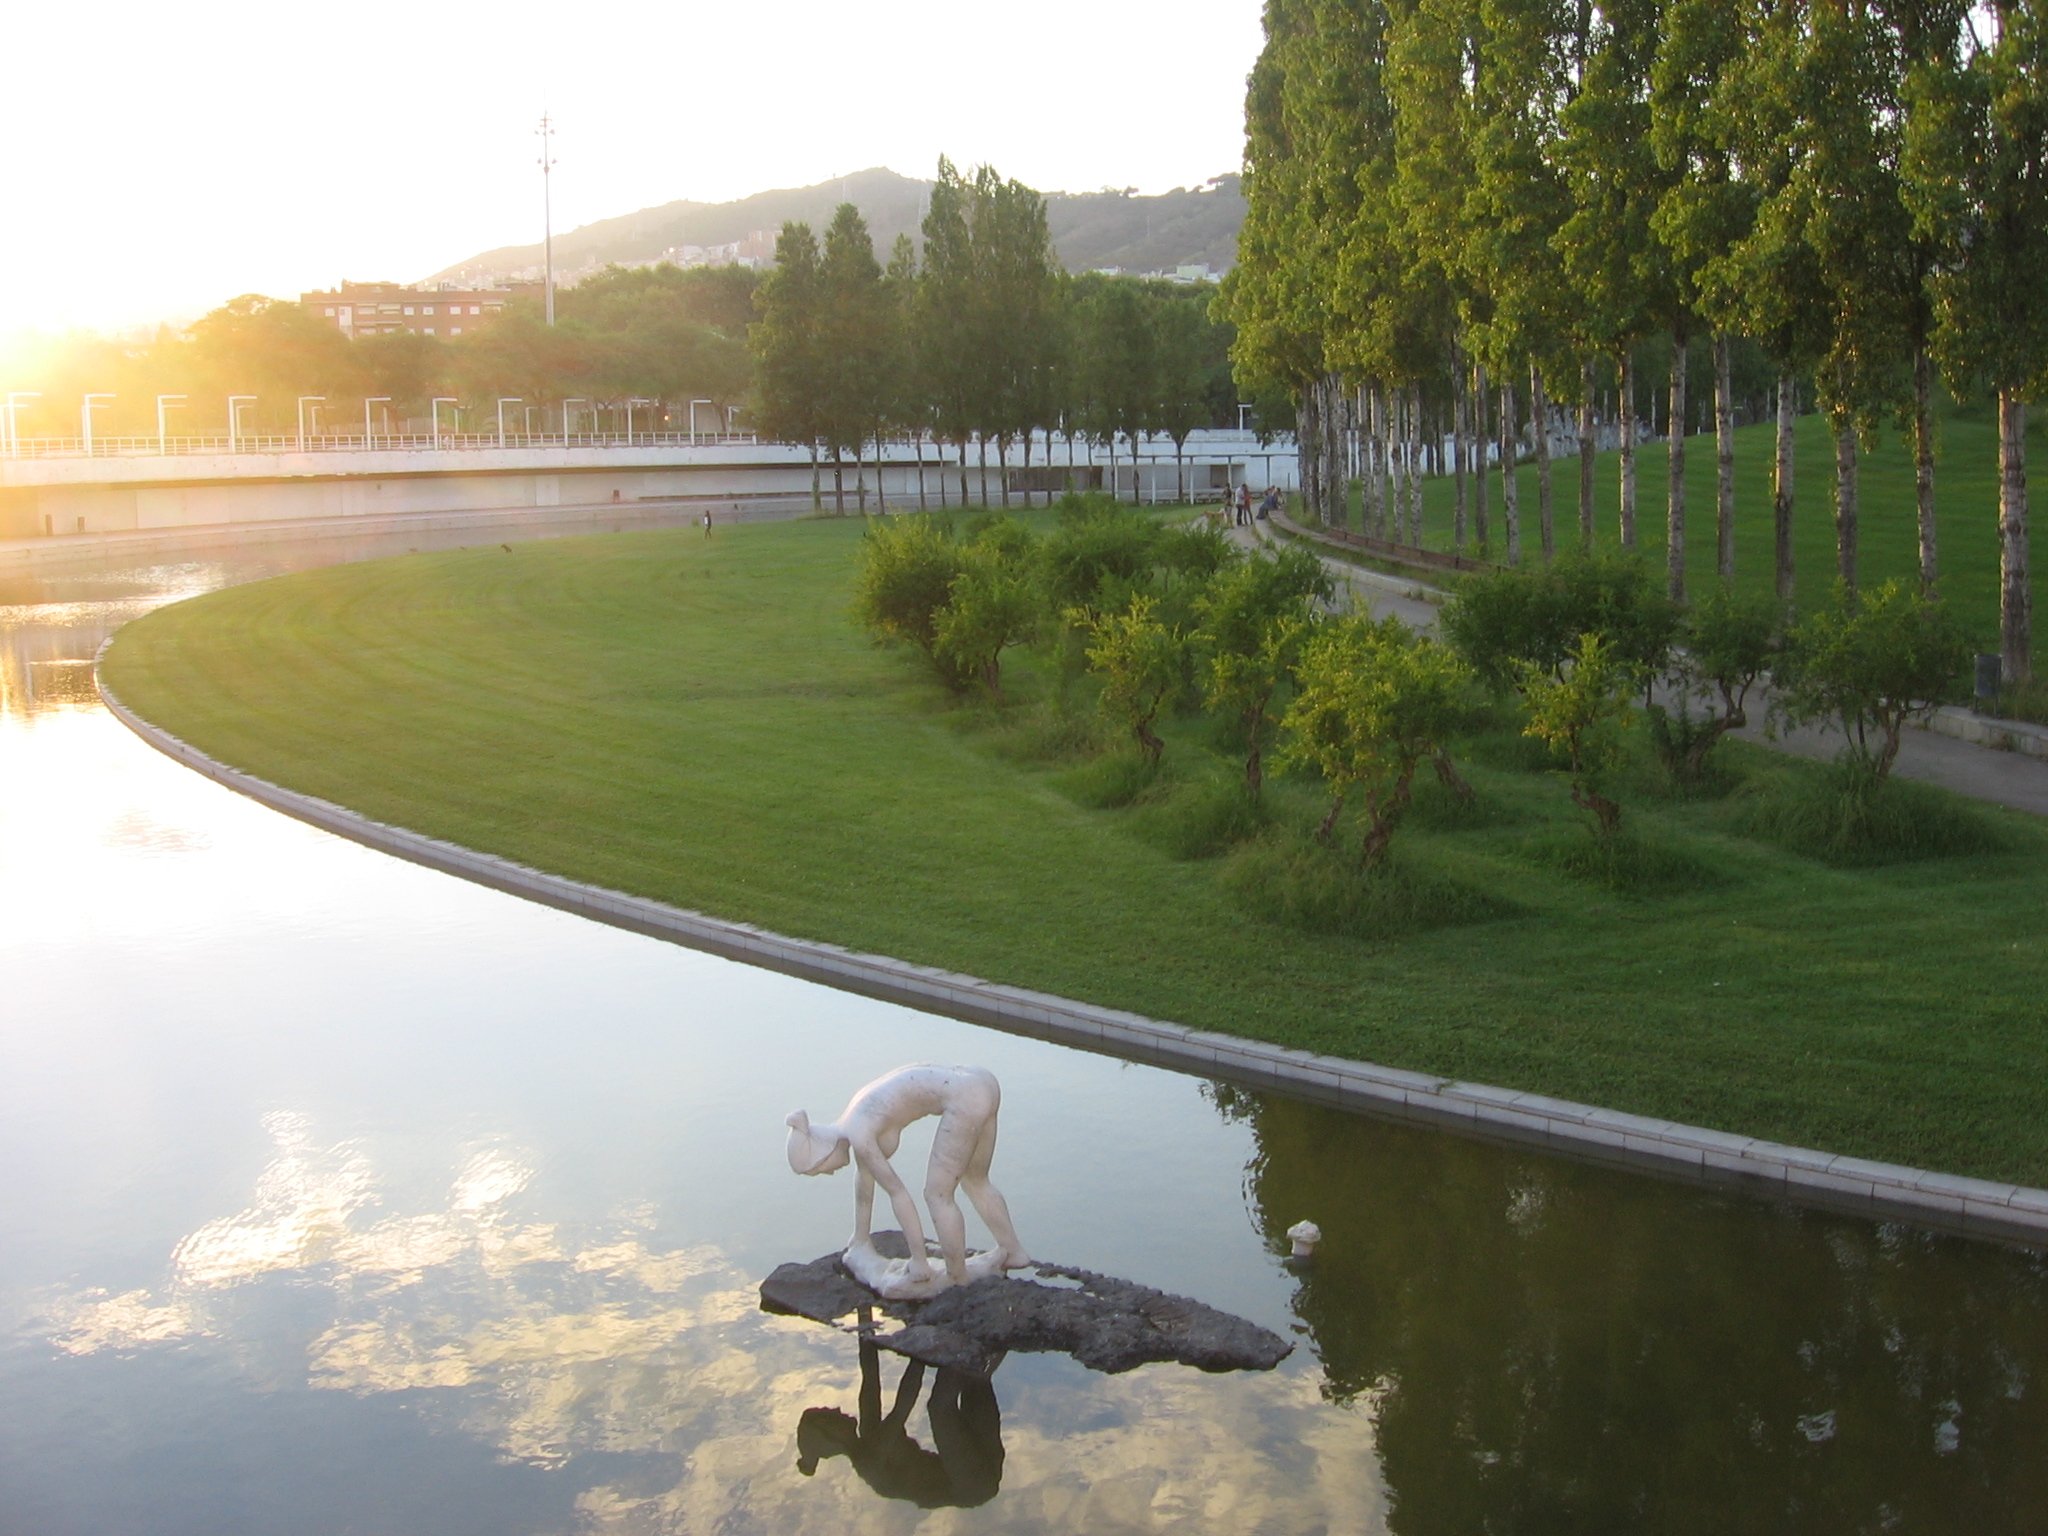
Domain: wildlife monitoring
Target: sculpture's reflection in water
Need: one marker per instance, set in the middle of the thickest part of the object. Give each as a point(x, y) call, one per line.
point(965, 1466)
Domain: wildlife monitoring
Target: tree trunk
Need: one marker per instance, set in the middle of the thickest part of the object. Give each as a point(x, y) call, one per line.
point(1414, 466)
point(1480, 531)
point(1628, 448)
point(1539, 414)
point(1307, 451)
point(1674, 488)
point(1781, 486)
point(1724, 458)
point(1923, 465)
point(963, 474)
point(817, 488)
point(1002, 467)
point(1375, 465)
point(981, 452)
point(838, 482)
point(1461, 494)
point(1337, 478)
point(2015, 598)
point(922, 504)
point(1845, 505)
point(1588, 447)
point(1510, 491)
point(1388, 514)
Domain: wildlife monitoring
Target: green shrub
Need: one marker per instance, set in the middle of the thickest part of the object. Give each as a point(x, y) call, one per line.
point(1202, 819)
point(1505, 622)
point(1634, 862)
point(1299, 884)
point(1843, 814)
point(1726, 644)
point(907, 566)
point(1109, 782)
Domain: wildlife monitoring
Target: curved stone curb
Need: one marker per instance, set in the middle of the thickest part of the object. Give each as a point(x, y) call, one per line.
point(1976, 1207)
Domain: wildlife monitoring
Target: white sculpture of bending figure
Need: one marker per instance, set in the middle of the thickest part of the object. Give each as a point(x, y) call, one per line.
point(867, 1132)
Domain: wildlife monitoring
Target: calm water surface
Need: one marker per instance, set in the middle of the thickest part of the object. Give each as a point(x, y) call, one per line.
point(338, 1195)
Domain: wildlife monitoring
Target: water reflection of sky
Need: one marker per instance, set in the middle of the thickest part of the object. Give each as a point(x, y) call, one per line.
point(341, 1195)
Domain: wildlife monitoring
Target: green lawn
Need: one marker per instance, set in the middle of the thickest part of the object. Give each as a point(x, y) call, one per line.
point(1966, 511)
point(699, 721)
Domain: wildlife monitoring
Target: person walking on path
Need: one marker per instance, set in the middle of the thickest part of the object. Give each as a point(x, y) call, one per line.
point(707, 522)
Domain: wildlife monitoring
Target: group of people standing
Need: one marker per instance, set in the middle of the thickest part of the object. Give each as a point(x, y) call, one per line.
point(1241, 503)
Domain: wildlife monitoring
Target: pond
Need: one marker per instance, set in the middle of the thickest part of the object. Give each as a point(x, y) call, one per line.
point(341, 1195)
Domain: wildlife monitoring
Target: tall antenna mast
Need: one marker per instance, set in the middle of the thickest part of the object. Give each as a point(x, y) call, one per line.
point(546, 131)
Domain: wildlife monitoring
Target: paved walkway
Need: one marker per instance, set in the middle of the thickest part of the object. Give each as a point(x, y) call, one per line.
point(2011, 779)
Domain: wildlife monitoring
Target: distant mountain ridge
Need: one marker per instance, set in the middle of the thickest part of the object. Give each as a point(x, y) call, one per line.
point(1184, 227)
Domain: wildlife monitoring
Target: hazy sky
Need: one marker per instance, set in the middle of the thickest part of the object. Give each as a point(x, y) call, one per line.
point(162, 159)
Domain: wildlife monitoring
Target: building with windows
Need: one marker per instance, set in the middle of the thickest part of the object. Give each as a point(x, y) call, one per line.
point(376, 309)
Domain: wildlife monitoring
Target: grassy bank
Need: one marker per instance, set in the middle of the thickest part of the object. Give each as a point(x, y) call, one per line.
point(699, 721)
point(1966, 511)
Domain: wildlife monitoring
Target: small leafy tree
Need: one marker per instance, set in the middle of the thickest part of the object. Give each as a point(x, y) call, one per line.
point(1728, 643)
point(992, 604)
point(1254, 618)
point(907, 569)
point(1585, 713)
point(1374, 701)
point(1871, 663)
point(1140, 660)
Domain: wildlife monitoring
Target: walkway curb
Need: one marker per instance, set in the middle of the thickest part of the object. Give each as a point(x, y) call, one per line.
point(1974, 1207)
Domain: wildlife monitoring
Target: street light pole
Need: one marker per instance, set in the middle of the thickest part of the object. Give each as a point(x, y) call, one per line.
point(14, 399)
point(439, 401)
point(85, 419)
point(546, 131)
point(163, 402)
point(235, 404)
point(302, 417)
point(503, 401)
point(370, 437)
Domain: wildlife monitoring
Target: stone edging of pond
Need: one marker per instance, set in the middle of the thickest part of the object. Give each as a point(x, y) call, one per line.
point(1974, 1207)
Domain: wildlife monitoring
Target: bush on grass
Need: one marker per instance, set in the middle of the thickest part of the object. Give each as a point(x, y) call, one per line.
point(1110, 781)
point(1202, 819)
point(1843, 814)
point(1300, 884)
point(1636, 861)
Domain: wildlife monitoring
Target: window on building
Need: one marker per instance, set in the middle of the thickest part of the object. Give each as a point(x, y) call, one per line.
point(427, 330)
point(426, 309)
point(328, 311)
point(454, 330)
point(408, 309)
point(472, 308)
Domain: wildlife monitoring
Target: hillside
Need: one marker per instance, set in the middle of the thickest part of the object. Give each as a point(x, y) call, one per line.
point(1089, 229)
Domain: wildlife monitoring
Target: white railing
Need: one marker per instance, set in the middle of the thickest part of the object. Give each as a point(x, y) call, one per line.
point(330, 442)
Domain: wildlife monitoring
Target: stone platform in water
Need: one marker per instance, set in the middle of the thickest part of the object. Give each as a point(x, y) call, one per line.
point(1105, 1323)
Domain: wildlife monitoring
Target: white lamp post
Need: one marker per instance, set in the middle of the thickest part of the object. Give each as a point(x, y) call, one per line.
point(85, 419)
point(631, 401)
point(14, 399)
point(439, 401)
point(693, 420)
point(163, 403)
point(235, 404)
point(370, 437)
point(303, 401)
point(567, 414)
point(503, 401)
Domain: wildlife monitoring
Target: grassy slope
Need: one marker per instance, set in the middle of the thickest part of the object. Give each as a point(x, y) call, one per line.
point(1966, 511)
point(701, 723)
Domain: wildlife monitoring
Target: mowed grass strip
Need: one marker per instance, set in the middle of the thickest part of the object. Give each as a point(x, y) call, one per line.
point(700, 722)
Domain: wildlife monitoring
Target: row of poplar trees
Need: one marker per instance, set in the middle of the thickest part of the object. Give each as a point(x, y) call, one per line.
point(1487, 203)
point(980, 340)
